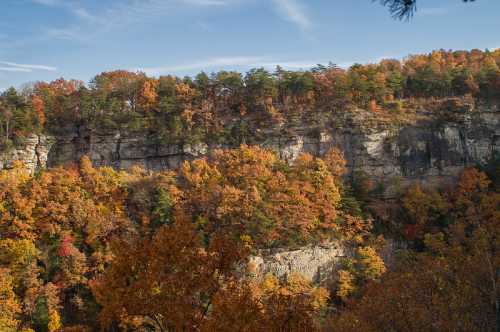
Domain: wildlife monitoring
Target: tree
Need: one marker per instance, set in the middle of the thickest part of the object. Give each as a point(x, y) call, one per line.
point(249, 191)
point(371, 266)
point(346, 285)
point(425, 211)
point(55, 229)
point(453, 284)
point(173, 272)
point(191, 286)
point(260, 86)
point(39, 107)
point(403, 9)
point(18, 119)
point(147, 94)
point(9, 304)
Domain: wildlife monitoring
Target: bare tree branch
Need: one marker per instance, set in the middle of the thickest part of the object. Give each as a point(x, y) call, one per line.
point(403, 9)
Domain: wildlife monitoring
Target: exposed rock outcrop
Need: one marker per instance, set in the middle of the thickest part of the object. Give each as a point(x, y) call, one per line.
point(316, 263)
point(33, 154)
point(430, 149)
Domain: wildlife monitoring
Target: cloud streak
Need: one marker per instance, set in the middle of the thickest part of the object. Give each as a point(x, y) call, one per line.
point(47, 2)
point(14, 69)
point(433, 11)
point(204, 64)
point(225, 62)
point(245, 62)
point(294, 12)
point(117, 15)
point(26, 68)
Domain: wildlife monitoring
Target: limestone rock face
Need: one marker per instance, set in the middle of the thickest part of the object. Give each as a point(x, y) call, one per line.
point(123, 150)
point(317, 263)
point(430, 149)
point(33, 154)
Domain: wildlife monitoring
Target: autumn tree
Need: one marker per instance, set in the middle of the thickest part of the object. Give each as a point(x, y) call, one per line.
point(293, 304)
point(39, 108)
point(364, 267)
point(193, 287)
point(173, 272)
point(425, 210)
point(147, 94)
point(452, 285)
point(10, 307)
point(249, 191)
point(55, 230)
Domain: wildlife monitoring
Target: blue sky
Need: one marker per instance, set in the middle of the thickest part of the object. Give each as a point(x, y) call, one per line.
point(48, 39)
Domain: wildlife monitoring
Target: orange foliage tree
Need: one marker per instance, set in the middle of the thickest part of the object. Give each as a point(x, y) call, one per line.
point(453, 285)
point(249, 191)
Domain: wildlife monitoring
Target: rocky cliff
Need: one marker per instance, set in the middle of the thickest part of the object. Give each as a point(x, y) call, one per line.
point(33, 153)
point(424, 146)
point(317, 263)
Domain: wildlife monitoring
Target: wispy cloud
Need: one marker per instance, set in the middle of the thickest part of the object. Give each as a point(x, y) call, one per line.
point(68, 33)
point(26, 68)
point(206, 2)
point(433, 11)
point(138, 10)
point(91, 21)
point(289, 64)
point(15, 69)
point(245, 62)
point(84, 14)
point(204, 64)
point(228, 62)
point(47, 2)
point(295, 12)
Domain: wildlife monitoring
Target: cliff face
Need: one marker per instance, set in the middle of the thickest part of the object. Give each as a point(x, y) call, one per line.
point(427, 148)
point(317, 263)
point(33, 154)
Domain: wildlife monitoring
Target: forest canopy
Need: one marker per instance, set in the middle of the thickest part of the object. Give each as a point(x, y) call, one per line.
point(84, 248)
point(228, 107)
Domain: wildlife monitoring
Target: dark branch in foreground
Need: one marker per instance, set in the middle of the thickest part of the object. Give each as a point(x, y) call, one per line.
point(403, 9)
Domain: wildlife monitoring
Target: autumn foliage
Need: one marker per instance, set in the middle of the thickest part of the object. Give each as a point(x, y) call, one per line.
point(231, 107)
point(83, 248)
point(86, 248)
point(451, 285)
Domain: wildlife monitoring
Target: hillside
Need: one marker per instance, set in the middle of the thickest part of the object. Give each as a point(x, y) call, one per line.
point(364, 199)
point(425, 118)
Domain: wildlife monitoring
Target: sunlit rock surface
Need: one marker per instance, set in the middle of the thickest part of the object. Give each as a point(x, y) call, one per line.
point(429, 149)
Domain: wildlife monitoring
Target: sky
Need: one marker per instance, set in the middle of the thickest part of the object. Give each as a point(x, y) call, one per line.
point(78, 39)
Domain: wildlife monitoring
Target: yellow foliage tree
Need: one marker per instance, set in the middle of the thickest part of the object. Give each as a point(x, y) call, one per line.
point(9, 304)
point(54, 324)
point(371, 266)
